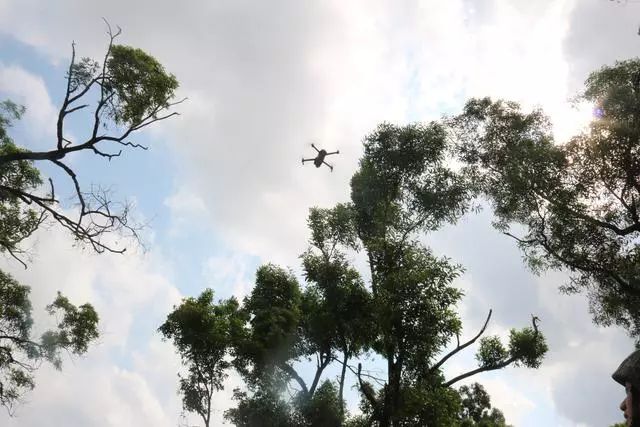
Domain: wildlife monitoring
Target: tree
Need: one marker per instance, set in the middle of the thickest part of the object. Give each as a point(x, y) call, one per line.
point(20, 353)
point(476, 408)
point(271, 338)
point(323, 409)
point(132, 91)
point(283, 326)
point(263, 408)
point(202, 332)
point(579, 201)
point(342, 310)
point(404, 187)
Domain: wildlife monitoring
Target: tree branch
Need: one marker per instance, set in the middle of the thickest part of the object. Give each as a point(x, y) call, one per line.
point(88, 234)
point(463, 346)
point(293, 374)
point(324, 363)
point(481, 369)
point(65, 103)
point(500, 365)
point(366, 389)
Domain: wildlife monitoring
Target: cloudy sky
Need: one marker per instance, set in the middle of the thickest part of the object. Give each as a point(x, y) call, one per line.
point(224, 191)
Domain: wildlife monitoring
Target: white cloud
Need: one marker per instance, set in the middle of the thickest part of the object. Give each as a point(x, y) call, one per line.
point(28, 89)
point(229, 276)
point(187, 209)
point(128, 377)
point(513, 402)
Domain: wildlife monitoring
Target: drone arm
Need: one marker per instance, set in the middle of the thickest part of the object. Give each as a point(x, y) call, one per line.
point(315, 148)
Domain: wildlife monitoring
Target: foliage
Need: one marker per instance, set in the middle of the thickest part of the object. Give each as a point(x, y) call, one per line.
point(273, 312)
point(476, 408)
point(20, 353)
point(323, 409)
point(203, 333)
point(262, 408)
point(19, 220)
point(578, 201)
point(139, 85)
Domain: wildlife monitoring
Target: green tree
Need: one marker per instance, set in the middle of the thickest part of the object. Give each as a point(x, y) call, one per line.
point(264, 407)
point(20, 353)
point(323, 409)
point(476, 408)
point(342, 312)
point(578, 201)
point(284, 326)
point(403, 189)
point(19, 221)
point(271, 339)
point(131, 91)
point(203, 334)
point(289, 325)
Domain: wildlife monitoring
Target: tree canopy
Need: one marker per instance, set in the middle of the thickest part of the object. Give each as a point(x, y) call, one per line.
point(202, 332)
point(578, 200)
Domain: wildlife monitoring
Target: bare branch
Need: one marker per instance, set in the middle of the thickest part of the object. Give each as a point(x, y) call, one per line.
point(62, 112)
point(11, 252)
point(155, 119)
point(497, 366)
point(366, 388)
point(90, 233)
point(53, 189)
point(463, 346)
point(74, 109)
point(130, 144)
point(321, 366)
point(107, 155)
point(378, 380)
point(294, 375)
point(76, 184)
point(86, 89)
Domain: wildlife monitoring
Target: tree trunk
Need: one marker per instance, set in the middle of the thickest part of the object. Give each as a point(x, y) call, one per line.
point(385, 419)
point(208, 419)
point(342, 375)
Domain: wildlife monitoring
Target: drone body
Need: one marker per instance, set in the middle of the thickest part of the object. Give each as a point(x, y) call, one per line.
point(319, 159)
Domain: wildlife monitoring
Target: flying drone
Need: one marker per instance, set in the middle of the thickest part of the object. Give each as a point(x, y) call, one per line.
point(319, 159)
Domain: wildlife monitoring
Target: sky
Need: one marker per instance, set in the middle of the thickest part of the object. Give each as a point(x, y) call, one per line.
point(223, 189)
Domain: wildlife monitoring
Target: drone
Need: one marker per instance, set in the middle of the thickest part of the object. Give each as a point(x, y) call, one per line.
point(319, 159)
